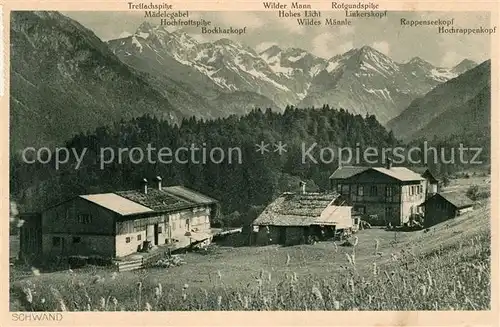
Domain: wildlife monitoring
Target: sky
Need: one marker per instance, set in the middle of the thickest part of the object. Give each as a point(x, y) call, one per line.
point(264, 29)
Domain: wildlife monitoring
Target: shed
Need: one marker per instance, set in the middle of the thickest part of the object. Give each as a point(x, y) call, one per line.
point(292, 218)
point(445, 205)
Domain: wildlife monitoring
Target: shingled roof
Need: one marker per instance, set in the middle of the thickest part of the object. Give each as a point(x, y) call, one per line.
point(400, 173)
point(190, 195)
point(157, 200)
point(134, 202)
point(457, 199)
point(292, 209)
point(348, 171)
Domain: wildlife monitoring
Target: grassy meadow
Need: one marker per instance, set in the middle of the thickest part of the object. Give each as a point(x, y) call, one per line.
point(444, 268)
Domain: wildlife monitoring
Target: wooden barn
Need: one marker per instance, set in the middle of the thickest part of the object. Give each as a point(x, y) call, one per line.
point(112, 225)
point(294, 217)
point(445, 205)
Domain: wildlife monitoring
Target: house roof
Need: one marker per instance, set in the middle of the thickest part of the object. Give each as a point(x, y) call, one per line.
point(157, 200)
point(457, 199)
point(135, 202)
point(400, 173)
point(116, 203)
point(293, 209)
point(348, 171)
point(428, 175)
point(190, 195)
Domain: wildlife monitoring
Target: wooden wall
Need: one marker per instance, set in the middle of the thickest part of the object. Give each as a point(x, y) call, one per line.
point(30, 235)
point(78, 227)
point(438, 210)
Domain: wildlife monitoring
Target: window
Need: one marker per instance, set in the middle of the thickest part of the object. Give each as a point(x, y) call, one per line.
point(373, 190)
point(56, 241)
point(339, 188)
point(127, 240)
point(360, 209)
point(389, 191)
point(84, 218)
point(160, 229)
point(139, 237)
point(360, 190)
point(77, 239)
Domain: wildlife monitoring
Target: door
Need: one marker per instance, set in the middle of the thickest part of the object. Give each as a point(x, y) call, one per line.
point(63, 246)
point(156, 234)
point(282, 235)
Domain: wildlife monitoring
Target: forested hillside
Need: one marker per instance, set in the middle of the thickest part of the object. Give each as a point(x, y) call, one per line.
point(239, 186)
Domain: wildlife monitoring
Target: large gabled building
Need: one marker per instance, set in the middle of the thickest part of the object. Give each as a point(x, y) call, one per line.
point(120, 223)
point(382, 194)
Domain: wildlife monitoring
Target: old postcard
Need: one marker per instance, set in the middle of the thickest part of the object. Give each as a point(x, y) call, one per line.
point(250, 163)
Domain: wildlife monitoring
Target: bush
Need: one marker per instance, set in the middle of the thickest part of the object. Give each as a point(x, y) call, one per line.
point(473, 192)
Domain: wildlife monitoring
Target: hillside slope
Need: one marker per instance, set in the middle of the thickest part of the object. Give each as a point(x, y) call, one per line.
point(455, 107)
point(65, 80)
point(471, 118)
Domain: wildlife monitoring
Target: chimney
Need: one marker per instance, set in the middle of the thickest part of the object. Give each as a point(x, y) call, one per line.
point(388, 163)
point(158, 182)
point(144, 186)
point(303, 187)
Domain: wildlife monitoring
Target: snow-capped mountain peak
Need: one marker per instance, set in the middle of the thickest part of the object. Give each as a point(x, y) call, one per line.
point(145, 27)
point(362, 79)
point(419, 62)
point(270, 52)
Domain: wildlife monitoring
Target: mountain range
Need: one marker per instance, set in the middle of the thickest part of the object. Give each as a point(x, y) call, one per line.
point(459, 106)
point(65, 80)
point(361, 80)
